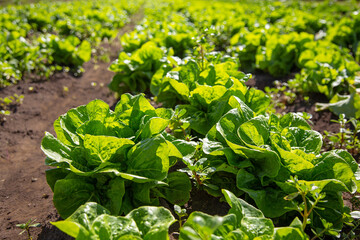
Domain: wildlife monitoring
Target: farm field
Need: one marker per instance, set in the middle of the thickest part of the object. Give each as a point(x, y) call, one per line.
point(180, 120)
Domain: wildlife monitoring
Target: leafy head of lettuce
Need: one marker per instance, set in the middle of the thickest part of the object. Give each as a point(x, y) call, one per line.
point(114, 158)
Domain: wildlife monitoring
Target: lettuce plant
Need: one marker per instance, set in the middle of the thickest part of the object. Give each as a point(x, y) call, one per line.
point(242, 222)
point(171, 30)
point(92, 221)
point(116, 158)
point(280, 53)
point(71, 51)
point(135, 70)
point(269, 150)
point(204, 93)
point(26, 45)
point(245, 45)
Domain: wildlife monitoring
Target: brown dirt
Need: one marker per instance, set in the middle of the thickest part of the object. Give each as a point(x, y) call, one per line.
point(24, 193)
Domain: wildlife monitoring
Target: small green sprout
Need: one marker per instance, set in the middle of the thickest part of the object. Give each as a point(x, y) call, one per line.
point(180, 212)
point(26, 227)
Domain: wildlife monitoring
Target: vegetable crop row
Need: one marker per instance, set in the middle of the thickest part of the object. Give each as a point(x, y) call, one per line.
point(121, 159)
point(46, 37)
point(270, 37)
point(210, 131)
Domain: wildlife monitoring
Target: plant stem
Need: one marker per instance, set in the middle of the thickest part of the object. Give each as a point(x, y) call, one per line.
point(318, 235)
point(28, 232)
point(197, 178)
point(353, 143)
point(202, 57)
point(180, 223)
point(306, 214)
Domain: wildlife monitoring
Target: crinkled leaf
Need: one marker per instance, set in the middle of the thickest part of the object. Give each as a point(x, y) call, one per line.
point(113, 228)
point(153, 222)
point(101, 149)
point(257, 227)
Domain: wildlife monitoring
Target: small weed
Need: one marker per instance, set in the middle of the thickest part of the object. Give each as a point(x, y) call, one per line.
point(346, 138)
point(102, 54)
point(180, 212)
point(179, 125)
point(310, 196)
point(280, 95)
point(5, 104)
point(26, 227)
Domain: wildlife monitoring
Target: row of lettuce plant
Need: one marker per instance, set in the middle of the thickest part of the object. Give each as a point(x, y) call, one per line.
point(220, 130)
point(46, 37)
point(268, 37)
point(242, 222)
point(112, 163)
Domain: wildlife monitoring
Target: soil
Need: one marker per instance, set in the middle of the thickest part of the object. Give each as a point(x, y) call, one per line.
point(24, 193)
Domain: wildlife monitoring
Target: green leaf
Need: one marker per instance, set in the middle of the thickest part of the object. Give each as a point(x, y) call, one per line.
point(52, 175)
point(291, 196)
point(293, 161)
point(267, 162)
point(228, 125)
point(203, 96)
point(72, 229)
point(101, 149)
point(228, 225)
point(255, 131)
point(150, 158)
point(336, 165)
point(142, 194)
point(308, 140)
point(112, 227)
point(189, 73)
point(115, 194)
point(289, 233)
point(240, 208)
point(257, 100)
point(87, 213)
point(66, 125)
point(131, 109)
point(178, 189)
point(343, 104)
point(294, 120)
point(79, 223)
point(270, 201)
point(56, 150)
point(257, 227)
point(200, 226)
point(84, 51)
point(69, 194)
point(97, 110)
point(153, 127)
point(153, 222)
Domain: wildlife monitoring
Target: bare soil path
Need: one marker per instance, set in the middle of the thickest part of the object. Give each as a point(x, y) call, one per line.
point(24, 193)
